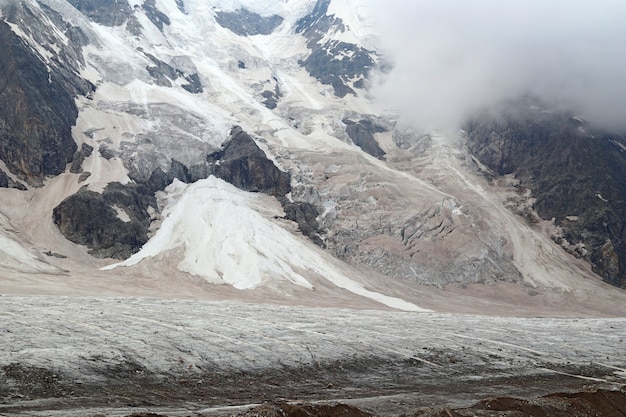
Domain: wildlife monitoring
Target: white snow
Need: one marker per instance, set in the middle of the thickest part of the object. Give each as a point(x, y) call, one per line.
point(229, 238)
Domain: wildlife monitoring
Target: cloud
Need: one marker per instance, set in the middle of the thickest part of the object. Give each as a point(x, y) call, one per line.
point(5, 3)
point(452, 58)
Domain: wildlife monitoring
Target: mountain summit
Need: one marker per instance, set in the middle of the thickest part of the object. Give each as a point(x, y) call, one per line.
point(233, 149)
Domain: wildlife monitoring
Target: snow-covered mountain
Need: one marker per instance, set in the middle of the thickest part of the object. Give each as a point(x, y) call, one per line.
point(232, 149)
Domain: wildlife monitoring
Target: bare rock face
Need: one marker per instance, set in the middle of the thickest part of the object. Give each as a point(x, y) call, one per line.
point(244, 22)
point(35, 115)
point(37, 108)
point(242, 163)
point(116, 222)
point(79, 157)
point(362, 134)
point(344, 66)
point(575, 172)
point(105, 12)
point(113, 224)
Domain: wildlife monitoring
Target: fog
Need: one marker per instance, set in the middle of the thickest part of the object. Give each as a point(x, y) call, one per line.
point(452, 58)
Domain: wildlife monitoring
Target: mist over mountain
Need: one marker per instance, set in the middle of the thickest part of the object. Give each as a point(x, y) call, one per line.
point(206, 205)
point(452, 59)
point(122, 121)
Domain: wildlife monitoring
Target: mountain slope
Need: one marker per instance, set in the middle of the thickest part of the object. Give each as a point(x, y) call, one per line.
point(269, 96)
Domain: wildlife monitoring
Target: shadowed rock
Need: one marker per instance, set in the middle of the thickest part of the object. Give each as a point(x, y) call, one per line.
point(242, 163)
point(575, 172)
point(362, 134)
point(245, 23)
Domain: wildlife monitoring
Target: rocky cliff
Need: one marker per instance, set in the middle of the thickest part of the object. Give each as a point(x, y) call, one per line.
point(37, 108)
point(574, 171)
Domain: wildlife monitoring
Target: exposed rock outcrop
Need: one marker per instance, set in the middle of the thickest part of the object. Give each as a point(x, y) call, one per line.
point(342, 65)
point(7, 182)
point(154, 14)
point(362, 134)
point(111, 224)
point(575, 172)
point(37, 107)
point(305, 214)
point(246, 23)
point(79, 157)
point(104, 12)
point(116, 223)
point(242, 163)
point(271, 97)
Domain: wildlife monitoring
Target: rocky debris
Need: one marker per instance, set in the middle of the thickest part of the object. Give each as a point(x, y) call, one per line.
point(342, 65)
point(246, 23)
point(573, 170)
point(285, 409)
point(105, 12)
point(601, 403)
point(362, 134)
point(79, 157)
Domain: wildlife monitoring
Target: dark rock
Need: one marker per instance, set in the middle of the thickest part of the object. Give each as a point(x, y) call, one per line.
point(571, 168)
point(342, 65)
point(4, 180)
point(7, 182)
point(246, 23)
point(106, 152)
point(305, 214)
point(36, 115)
point(92, 219)
point(271, 97)
point(55, 255)
point(37, 99)
point(83, 176)
point(194, 85)
point(105, 12)
point(159, 179)
point(161, 72)
point(362, 134)
point(242, 163)
point(89, 218)
point(154, 14)
point(181, 6)
point(79, 157)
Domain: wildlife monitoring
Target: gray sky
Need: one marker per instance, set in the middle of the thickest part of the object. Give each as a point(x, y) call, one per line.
point(453, 57)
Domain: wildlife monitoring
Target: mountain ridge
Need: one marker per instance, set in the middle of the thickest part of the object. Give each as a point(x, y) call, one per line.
point(159, 87)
